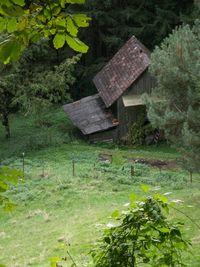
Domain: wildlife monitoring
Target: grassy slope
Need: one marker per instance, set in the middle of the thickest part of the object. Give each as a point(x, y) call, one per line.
point(55, 206)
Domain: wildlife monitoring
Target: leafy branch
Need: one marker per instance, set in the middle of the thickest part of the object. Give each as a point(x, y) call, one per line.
point(28, 21)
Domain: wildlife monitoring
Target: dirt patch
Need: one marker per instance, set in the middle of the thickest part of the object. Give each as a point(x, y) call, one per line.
point(161, 164)
point(105, 157)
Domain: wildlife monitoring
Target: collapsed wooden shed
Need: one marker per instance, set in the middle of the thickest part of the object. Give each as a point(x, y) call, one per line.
point(120, 84)
point(91, 115)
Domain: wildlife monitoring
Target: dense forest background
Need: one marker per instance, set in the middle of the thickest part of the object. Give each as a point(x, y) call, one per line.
point(43, 73)
point(115, 21)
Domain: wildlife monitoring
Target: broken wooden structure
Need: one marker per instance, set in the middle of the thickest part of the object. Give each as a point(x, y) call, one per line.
point(107, 115)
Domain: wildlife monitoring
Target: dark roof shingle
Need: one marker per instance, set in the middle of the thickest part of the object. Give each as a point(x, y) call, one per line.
point(90, 115)
point(122, 70)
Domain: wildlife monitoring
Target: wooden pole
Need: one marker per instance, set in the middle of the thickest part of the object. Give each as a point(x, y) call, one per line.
point(191, 177)
point(43, 170)
point(132, 170)
point(73, 167)
point(23, 164)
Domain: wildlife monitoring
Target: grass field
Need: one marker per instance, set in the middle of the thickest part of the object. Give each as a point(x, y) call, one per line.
point(55, 205)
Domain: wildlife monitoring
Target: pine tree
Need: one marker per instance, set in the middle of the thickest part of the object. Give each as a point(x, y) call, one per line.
point(175, 64)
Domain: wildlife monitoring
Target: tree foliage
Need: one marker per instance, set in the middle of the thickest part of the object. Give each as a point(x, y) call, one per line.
point(142, 236)
point(42, 85)
point(28, 21)
point(40, 78)
point(115, 21)
point(175, 64)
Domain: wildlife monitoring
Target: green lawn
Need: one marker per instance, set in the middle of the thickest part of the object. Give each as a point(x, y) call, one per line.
point(53, 206)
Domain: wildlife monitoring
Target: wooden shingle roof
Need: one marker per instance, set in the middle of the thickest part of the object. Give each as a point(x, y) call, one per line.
point(90, 115)
point(122, 70)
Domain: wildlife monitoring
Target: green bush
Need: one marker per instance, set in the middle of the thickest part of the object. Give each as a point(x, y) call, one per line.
point(141, 236)
point(136, 133)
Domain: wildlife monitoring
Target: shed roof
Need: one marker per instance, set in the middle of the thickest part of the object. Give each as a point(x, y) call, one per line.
point(90, 114)
point(122, 70)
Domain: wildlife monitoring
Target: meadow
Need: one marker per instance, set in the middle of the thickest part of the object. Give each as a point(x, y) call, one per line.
point(71, 188)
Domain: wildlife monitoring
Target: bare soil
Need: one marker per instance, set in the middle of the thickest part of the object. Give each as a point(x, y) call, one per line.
point(161, 164)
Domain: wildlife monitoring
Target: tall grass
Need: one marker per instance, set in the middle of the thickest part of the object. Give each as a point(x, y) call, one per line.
point(54, 206)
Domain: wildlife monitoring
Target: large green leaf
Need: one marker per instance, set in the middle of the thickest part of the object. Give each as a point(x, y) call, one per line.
point(76, 44)
point(54, 261)
point(6, 50)
point(11, 25)
point(47, 13)
point(2, 24)
point(75, 1)
point(13, 11)
point(56, 10)
point(60, 22)
point(115, 214)
point(19, 2)
point(71, 28)
point(6, 3)
point(64, 2)
point(81, 20)
point(59, 40)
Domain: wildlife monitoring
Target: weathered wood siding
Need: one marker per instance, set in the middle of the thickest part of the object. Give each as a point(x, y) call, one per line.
point(128, 115)
point(105, 136)
point(143, 85)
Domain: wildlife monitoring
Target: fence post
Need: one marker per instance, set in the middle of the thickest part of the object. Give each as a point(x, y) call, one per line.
point(132, 170)
point(43, 169)
point(73, 167)
point(23, 164)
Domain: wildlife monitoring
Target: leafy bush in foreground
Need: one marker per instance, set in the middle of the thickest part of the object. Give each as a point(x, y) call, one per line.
point(141, 236)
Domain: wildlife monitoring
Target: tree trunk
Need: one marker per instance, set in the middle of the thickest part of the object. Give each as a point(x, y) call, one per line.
point(5, 123)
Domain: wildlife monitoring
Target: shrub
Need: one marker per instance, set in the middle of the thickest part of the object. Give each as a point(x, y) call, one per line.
point(142, 235)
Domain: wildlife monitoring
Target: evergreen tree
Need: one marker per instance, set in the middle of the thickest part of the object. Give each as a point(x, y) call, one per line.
point(175, 64)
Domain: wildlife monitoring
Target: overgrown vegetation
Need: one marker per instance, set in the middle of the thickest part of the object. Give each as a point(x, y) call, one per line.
point(36, 82)
point(142, 236)
point(69, 187)
point(55, 208)
point(136, 134)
